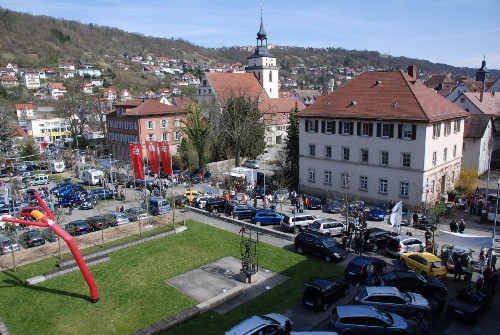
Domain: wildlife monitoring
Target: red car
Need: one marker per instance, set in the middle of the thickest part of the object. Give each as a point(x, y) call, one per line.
point(26, 211)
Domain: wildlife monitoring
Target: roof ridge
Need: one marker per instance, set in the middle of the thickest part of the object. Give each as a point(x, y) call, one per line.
point(407, 81)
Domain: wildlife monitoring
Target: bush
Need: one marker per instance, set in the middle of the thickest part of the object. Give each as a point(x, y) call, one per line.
point(467, 181)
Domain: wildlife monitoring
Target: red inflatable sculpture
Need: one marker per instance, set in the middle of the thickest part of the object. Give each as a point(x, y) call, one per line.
point(47, 220)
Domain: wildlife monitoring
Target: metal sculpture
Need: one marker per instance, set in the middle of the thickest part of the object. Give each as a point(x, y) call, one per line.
point(47, 221)
point(248, 250)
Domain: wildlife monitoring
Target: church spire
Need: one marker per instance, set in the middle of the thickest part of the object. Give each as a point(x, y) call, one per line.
point(261, 35)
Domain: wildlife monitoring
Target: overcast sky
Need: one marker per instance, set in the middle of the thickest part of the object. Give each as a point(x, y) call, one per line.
point(455, 32)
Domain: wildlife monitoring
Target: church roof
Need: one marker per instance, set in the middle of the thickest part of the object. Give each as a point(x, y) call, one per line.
point(227, 85)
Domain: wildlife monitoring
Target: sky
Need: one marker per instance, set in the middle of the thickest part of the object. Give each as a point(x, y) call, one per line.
point(454, 32)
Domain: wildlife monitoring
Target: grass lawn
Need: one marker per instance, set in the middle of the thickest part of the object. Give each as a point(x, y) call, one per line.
point(133, 293)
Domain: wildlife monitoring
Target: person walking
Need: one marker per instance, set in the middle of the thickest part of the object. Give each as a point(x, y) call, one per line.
point(461, 226)
point(117, 208)
point(494, 281)
point(415, 219)
point(493, 261)
point(457, 271)
point(481, 258)
point(428, 235)
point(369, 273)
point(70, 210)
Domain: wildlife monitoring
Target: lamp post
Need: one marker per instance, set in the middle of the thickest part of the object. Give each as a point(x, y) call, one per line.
point(495, 223)
point(110, 168)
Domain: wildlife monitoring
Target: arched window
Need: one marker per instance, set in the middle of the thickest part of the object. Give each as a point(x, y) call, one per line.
point(270, 76)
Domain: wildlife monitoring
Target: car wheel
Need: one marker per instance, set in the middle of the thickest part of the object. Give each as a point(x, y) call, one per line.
point(236, 217)
point(324, 307)
point(328, 259)
point(258, 223)
point(419, 314)
point(375, 247)
point(402, 262)
point(300, 250)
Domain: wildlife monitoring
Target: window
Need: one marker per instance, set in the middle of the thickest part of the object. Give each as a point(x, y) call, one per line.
point(328, 177)
point(312, 150)
point(345, 154)
point(344, 180)
point(328, 151)
point(312, 175)
point(177, 123)
point(382, 186)
point(364, 155)
point(447, 128)
point(384, 158)
point(270, 76)
point(462, 100)
point(445, 154)
point(329, 127)
point(456, 126)
point(436, 130)
point(177, 135)
point(150, 124)
point(455, 151)
point(151, 137)
point(364, 129)
point(406, 160)
point(346, 128)
point(283, 117)
point(386, 130)
point(165, 137)
point(408, 130)
point(404, 189)
point(363, 183)
point(164, 124)
point(434, 158)
point(312, 126)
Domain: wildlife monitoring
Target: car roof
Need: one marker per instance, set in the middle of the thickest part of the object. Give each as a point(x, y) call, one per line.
point(322, 283)
point(371, 290)
point(356, 310)
point(426, 255)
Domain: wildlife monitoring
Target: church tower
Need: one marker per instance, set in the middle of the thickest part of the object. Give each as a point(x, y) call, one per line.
point(482, 73)
point(263, 65)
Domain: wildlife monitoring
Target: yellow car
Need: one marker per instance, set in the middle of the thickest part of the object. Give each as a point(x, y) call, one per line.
point(191, 194)
point(425, 263)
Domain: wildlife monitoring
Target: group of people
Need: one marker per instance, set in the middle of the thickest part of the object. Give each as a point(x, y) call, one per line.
point(455, 227)
point(354, 239)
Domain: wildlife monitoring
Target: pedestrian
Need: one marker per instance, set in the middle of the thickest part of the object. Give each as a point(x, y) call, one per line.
point(355, 215)
point(453, 226)
point(436, 310)
point(494, 281)
point(369, 273)
point(70, 208)
point(348, 243)
point(361, 243)
point(122, 195)
point(461, 226)
point(481, 260)
point(415, 219)
point(117, 208)
point(469, 272)
point(487, 274)
point(122, 210)
point(428, 235)
point(457, 268)
point(493, 261)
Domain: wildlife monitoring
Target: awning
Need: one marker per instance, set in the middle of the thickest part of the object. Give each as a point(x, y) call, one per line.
point(234, 174)
point(466, 239)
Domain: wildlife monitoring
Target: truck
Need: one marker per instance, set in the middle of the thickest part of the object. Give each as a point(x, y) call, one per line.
point(92, 176)
point(56, 166)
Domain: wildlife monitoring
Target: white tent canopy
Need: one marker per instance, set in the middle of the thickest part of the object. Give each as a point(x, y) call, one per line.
point(467, 239)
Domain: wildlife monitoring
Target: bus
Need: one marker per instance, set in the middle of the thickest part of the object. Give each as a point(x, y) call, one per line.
point(56, 166)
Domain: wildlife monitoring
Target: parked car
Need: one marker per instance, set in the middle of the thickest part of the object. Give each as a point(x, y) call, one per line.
point(251, 164)
point(390, 299)
point(328, 226)
point(271, 323)
point(425, 263)
point(119, 218)
point(26, 211)
point(240, 212)
point(69, 189)
point(314, 202)
point(410, 281)
point(266, 217)
point(377, 212)
point(49, 235)
point(101, 193)
point(449, 253)
point(191, 194)
point(99, 222)
point(376, 238)
point(31, 239)
point(334, 206)
point(400, 244)
point(322, 292)
point(311, 242)
point(356, 268)
point(215, 205)
point(470, 304)
point(406, 218)
point(78, 227)
point(297, 221)
point(368, 320)
point(136, 213)
point(59, 186)
point(7, 245)
point(86, 203)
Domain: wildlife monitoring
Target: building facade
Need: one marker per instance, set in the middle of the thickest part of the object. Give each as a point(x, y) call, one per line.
point(48, 129)
point(383, 136)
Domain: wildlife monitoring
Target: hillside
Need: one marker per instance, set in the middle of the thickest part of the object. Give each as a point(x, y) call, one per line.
point(41, 41)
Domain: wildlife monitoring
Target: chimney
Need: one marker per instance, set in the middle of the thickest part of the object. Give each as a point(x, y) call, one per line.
point(412, 71)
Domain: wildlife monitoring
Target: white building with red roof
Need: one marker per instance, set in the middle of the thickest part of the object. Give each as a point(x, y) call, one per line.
point(383, 136)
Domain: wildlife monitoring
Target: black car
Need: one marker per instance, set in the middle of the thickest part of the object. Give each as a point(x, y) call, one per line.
point(311, 242)
point(314, 202)
point(356, 269)
point(334, 206)
point(101, 193)
point(78, 227)
point(470, 304)
point(242, 211)
point(49, 235)
point(409, 281)
point(376, 238)
point(215, 205)
point(322, 292)
point(31, 239)
point(180, 201)
point(100, 222)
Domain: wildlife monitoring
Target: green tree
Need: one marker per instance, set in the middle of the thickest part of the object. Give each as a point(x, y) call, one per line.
point(467, 181)
point(29, 150)
point(292, 147)
point(5, 132)
point(240, 129)
point(188, 155)
point(197, 131)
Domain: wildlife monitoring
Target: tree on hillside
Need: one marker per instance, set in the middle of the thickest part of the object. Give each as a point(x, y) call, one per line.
point(5, 132)
point(188, 155)
point(197, 131)
point(240, 129)
point(29, 149)
point(292, 147)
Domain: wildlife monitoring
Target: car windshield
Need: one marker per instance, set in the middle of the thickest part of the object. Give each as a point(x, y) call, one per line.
point(406, 296)
point(437, 264)
point(329, 243)
point(384, 316)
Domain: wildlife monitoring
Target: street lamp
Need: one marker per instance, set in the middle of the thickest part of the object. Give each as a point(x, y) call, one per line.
point(495, 222)
point(110, 168)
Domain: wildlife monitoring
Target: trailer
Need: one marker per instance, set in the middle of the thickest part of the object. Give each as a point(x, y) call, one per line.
point(92, 176)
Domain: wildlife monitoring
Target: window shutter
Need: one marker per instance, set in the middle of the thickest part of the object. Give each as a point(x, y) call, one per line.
point(370, 129)
point(400, 130)
point(316, 126)
point(351, 128)
point(322, 126)
point(341, 131)
point(379, 129)
point(333, 127)
point(306, 125)
point(413, 131)
point(391, 130)
point(358, 128)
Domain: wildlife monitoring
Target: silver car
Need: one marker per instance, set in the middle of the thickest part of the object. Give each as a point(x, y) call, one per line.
point(7, 245)
point(328, 226)
point(390, 299)
point(120, 218)
point(262, 324)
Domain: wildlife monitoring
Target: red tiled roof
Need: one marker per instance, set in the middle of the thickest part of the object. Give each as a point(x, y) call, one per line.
point(182, 102)
point(393, 96)
point(152, 107)
point(17, 131)
point(226, 85)
point(490, 104)
point(21, 106)
point(278, 106)
point(475, 126)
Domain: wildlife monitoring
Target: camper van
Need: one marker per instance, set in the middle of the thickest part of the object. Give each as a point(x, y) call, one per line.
point(159, 206)
point(39, 179)
point(92, 176)
point(56, 166)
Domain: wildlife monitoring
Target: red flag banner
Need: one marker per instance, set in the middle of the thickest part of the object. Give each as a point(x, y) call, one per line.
point(136, 160)
point(152, 150)
point(165, 158)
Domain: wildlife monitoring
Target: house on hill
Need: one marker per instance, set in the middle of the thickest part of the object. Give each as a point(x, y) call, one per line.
point(383, 136)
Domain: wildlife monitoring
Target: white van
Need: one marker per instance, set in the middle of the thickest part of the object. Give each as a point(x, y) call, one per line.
point(39, 179)
point(57, 166)
point(92, 176)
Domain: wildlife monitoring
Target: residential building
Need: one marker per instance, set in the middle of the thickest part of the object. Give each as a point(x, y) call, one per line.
point(276, 114)
point(125, 95)
point(140, 120)
point(49, 129)
point(31, 80)
point(56, 90)
point(478, 141)
point(8, 81)
point(383, 136)
point(24, 112)
point(307, 97)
